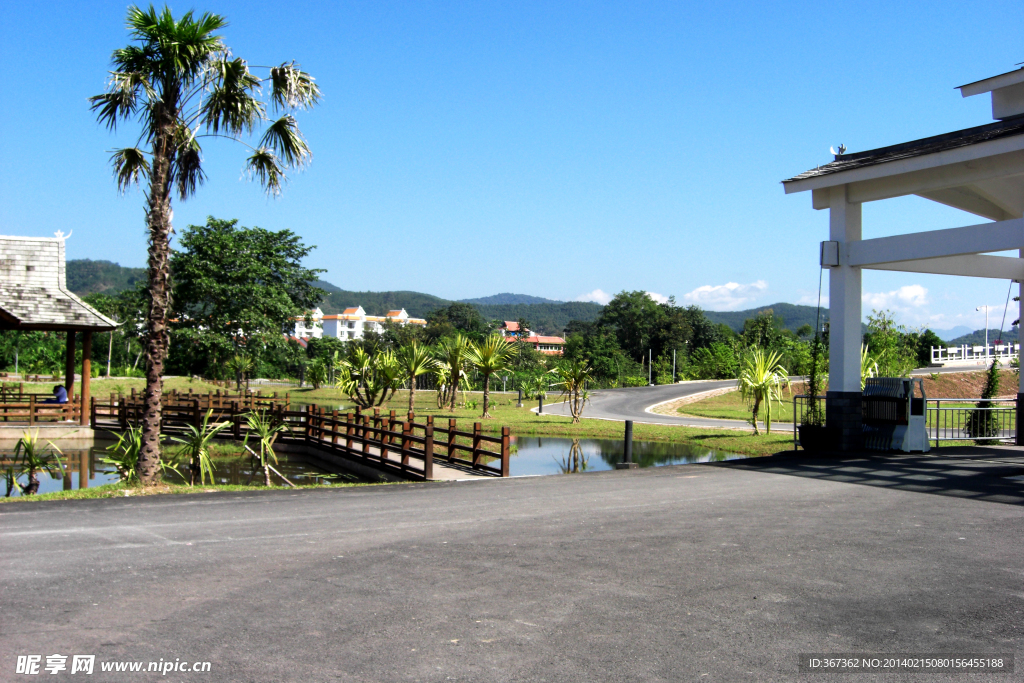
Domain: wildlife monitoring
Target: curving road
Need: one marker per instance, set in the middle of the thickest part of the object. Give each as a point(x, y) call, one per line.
point(631, 403)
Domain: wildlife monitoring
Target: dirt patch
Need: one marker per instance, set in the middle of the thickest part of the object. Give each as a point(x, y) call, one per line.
point(968, 384)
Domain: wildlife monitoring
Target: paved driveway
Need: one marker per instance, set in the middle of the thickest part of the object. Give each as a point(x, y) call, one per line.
point(702, 573)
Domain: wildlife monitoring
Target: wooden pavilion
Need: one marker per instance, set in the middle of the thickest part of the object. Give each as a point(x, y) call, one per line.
point(34, 296)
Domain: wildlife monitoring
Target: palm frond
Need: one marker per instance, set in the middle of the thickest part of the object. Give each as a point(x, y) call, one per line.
point(230, 104)
point(130, 165)
point(188, 162)
point(121, 101)
point(264, 165)
point(284, 138)
point(293, 88)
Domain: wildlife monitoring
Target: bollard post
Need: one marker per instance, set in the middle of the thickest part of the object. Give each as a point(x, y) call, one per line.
point(540, 404)
point(519, 401)
point(627, 449)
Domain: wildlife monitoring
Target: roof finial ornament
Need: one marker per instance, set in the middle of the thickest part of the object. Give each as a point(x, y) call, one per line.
point(61, 236)
point(841, 152)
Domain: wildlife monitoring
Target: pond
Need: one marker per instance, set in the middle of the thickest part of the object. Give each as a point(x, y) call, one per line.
point(228, 469)
point(558, 455)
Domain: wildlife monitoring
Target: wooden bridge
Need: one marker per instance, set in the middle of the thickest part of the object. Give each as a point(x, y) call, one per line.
point(406, 447)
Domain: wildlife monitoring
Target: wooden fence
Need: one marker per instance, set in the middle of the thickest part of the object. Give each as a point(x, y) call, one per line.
point(33, 410)
point(384, 442)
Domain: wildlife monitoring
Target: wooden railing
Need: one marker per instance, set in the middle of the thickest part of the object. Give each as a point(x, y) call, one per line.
point(384, 442)
point(33, 410)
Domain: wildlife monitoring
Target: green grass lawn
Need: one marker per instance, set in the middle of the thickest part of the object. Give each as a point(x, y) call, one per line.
point(731, 407)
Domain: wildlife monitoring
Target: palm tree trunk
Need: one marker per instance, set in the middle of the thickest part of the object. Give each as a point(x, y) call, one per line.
point(454, 387)
point(757, 409)
point(266, 472)
point(158, 217)
point(412, 392)
point(487, 391)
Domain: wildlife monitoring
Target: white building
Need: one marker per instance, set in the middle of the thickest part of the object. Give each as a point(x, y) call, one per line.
point(352, 323)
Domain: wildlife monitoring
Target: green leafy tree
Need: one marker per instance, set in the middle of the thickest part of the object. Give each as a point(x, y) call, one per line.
point(635, 318)
point(982, 420)
point(493, 355)
point(237, 287)
point(182, 83)
point(717, 361)
point(892, 347)
point(925, 341)
point(456, 318)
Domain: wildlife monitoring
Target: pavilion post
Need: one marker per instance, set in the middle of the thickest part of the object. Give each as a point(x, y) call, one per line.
point(86, 374)
point(843, 400)
point(69, 364)
point(1019, 439)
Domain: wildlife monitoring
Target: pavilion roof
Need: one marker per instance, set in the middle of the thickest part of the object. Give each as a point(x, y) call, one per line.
point(33, 288)
point(917, 148)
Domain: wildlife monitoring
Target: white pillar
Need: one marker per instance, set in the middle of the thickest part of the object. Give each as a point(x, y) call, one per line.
point(844, 297)
point(1020, 326)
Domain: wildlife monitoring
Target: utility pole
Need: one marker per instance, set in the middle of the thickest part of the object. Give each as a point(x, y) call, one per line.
point(986, 327)
point(673, 366)
point(650, 369)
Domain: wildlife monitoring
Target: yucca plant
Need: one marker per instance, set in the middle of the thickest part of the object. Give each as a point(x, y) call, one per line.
point(316, 373)
point(266, 428)
point(573, 376)
point(491, 356)
point(240, 365)
point(761, 381)
point(453, 354)
point(31, 458)
point(195, 445)
point(415, 360)
point(369, 380)
point(124, 455)
point(868, 366)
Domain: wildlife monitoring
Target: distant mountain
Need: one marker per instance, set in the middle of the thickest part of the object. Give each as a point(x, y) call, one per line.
point(953, 333)
point(977, 338)
point(550, 318)
point(85, 276)
point(507, 299)
point(794, 316)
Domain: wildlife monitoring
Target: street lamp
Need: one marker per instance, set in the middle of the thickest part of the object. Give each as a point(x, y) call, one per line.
point(986, 327)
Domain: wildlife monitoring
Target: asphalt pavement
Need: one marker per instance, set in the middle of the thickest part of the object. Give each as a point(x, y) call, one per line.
point(696, 572)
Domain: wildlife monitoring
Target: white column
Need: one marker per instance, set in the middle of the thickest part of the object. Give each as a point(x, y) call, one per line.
point(1020, 326)
point(844, 296)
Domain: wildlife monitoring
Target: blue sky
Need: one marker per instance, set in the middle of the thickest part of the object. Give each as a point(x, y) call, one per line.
point(554, 149)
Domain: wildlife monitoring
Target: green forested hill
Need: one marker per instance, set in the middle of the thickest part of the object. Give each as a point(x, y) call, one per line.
point(793, 316)
point(85, 276)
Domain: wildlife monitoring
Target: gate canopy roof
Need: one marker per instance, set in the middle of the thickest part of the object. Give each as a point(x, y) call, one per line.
point(33, 289)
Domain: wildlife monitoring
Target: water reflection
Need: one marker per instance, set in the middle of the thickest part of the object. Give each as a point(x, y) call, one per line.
point(83, 468)
point(559, 455)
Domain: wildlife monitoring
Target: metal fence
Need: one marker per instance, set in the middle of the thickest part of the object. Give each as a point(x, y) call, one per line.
point(949, 419)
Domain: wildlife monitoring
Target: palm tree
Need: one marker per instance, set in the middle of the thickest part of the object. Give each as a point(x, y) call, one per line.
point(453, 354)
point(492, 355)
point(761, 382)
point(415, 360)
point(369, 380)
point(181, 83)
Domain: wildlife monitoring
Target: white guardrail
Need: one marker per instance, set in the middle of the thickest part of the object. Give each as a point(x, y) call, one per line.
point(974, 355)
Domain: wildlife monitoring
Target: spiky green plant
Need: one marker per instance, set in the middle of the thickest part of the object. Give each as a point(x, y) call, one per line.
point(493, 355)
point(195, 445)
point(573, 377)
point(415, 360)
point(868, 366)
point(453, 354)
point(181, 83)
point(31, 458)
point(240, 365)
point(369, 380)
point(124, 455)
point(762, 380)
point(266, 428)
